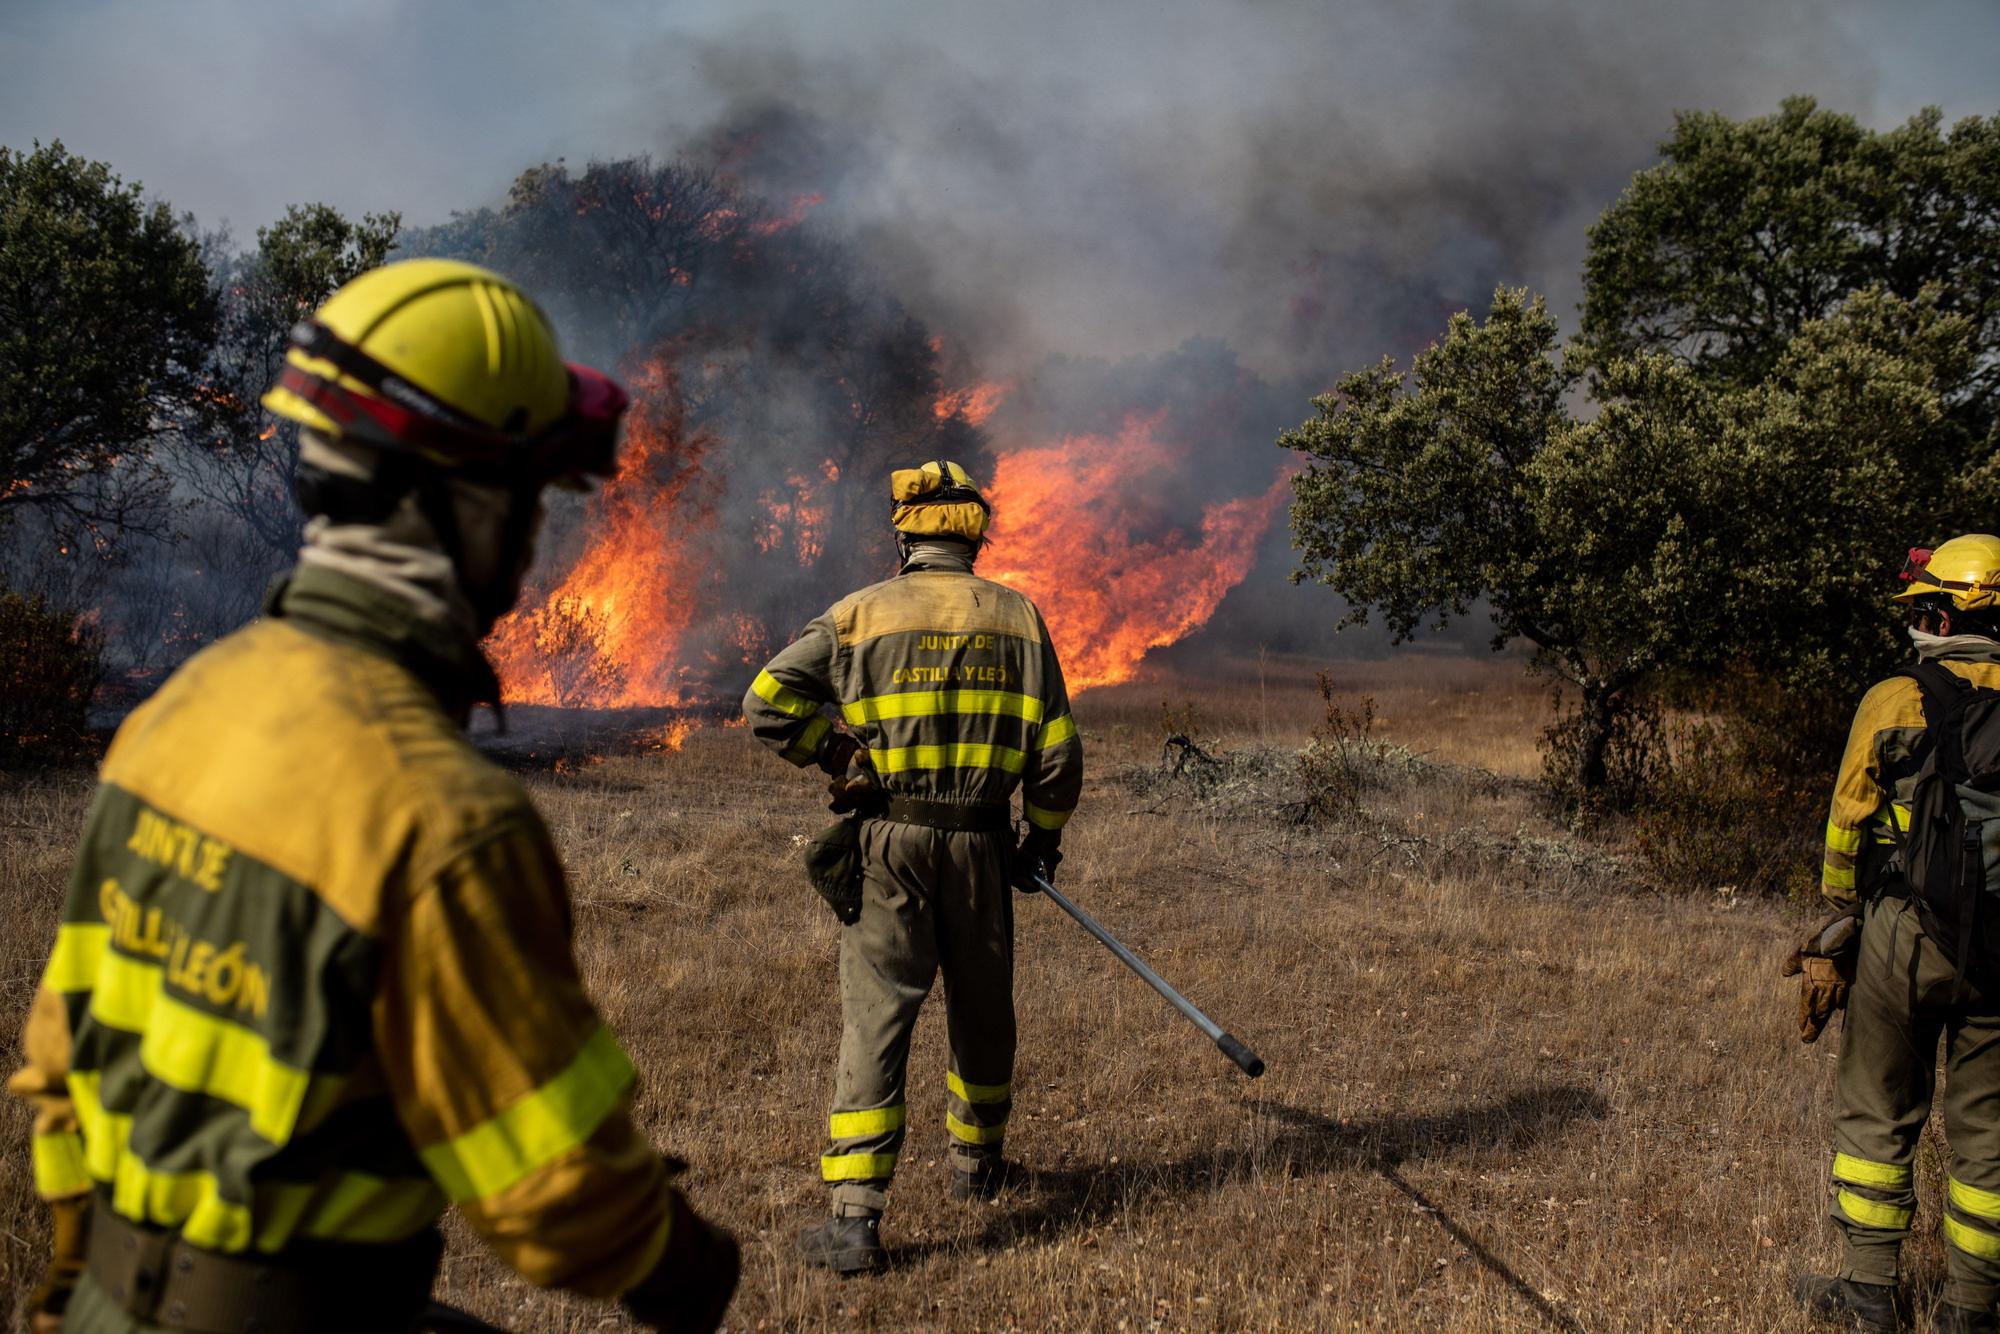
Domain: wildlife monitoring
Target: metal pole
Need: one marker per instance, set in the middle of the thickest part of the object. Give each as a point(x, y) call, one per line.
point(1246, 1060)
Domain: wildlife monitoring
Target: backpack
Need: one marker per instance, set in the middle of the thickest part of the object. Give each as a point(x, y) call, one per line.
point(1951, 854)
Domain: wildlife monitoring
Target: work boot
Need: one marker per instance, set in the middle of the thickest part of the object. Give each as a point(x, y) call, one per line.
point(1964, 1320)
point(1870, 1307)
point(845, 1245)
point(982, 1182)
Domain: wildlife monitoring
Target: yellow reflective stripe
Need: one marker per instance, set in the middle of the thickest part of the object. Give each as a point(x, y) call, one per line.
point(979, 1093)
point(197, 1053)
point(781, 697)
point(802, 751)
point(125, 991)
point(353, 1207)
point(1865, 1172)
point(104, 1133)
point(857, 1166)
point(365, 1208)
point(1979, 1203)
point(189, 1201)
point(1061, 730)
point(1874, 1213)
point(1973, 1241)
point(59, 1166)
point(73, 962)
point(855, 1125)
point(1842, 840)
point(1836, 877)
point(1899, 815)
point(187, 1049)
point(1042, 819)
point(962, 755)
point(967, 1133)
point(925, 703)
point(538, 1129)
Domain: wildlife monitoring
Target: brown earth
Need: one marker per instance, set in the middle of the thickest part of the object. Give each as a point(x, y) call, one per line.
point(1509, 1088)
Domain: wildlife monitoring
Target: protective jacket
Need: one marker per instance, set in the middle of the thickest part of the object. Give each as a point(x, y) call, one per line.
point(314, 977)
point(1878, 772)
point(1904, 1000)
point(948, 679)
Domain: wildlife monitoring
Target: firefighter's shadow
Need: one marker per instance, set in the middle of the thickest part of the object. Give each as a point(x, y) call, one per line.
point(1300, 1143)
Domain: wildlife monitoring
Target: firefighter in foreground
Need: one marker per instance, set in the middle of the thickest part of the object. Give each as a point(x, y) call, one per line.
point(1911, 974)
point(314, 979)
point(950, 696)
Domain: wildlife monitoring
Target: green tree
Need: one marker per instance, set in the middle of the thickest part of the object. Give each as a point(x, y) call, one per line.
point(1750, 230)
point(105, 315)
point(245, 458)
point(1853, 450)
point(1680, 529)
point(1467, 478)
point(1790, 330)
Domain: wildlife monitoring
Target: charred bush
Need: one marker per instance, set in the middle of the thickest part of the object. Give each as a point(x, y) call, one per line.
point(51, 661)
point(569, 640)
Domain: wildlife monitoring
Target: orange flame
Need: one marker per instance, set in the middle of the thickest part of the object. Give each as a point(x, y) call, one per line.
point(1074, 530)
point(670, 735)
point(974, 403)
point(609, 634)
point(802, 514)
point(791, 217)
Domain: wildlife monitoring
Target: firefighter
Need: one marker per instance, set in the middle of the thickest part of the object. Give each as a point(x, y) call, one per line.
point(314, 978)
point(948, 696)
point(1901, 990)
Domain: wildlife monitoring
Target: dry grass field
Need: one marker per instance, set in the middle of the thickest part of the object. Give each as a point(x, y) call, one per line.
point(1510, 1088)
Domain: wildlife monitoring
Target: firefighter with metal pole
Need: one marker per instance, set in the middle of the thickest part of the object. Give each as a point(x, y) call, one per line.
point(950, 697)
point(314, 979)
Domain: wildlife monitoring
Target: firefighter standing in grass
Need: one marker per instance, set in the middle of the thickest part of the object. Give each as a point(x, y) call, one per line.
point(314, 978)
point(951, 697)
point(1898, 977)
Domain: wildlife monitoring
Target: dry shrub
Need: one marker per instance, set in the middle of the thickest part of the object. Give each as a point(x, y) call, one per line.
point(51, 662)
point(1740, 796)
point(1635, 759)
point(1331, 769)
point(569, 636)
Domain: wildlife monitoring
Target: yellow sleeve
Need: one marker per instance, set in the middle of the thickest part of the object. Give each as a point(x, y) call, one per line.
point(783, 703)
point(43, 1080)
point(511, 1088)
point(1857, 790)
point(1053, 781)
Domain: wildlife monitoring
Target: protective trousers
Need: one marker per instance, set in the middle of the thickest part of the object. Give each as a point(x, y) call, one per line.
point(932, 900)
point(1900, 1005)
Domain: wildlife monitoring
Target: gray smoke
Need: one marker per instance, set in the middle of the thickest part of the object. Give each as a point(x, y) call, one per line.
point(1314, 184)
point(1101, 201)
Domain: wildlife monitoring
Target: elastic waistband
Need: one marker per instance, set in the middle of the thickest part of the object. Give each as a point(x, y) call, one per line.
point(969, 817)
point(158, 1278)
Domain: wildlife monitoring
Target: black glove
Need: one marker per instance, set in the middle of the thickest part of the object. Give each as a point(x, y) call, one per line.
point(1040, 850)
point(689, 1289)
point(836, 751)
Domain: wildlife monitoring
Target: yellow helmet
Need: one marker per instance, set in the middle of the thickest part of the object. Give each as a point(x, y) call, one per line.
point(1965, 570)
point(452, 362)
point(939, 499)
